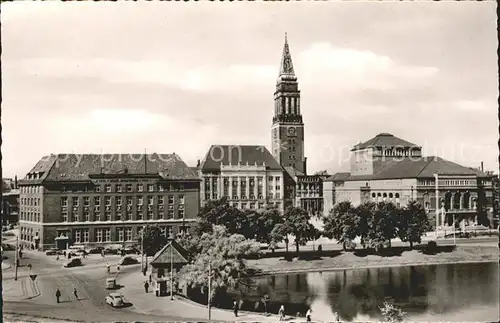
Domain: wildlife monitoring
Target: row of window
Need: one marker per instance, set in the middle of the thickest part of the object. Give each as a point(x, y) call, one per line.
point(109, 188)
point(123, 216)
point(215, 196)
point(448, 182)
point(75, 200)
point(30, 201)
point(122, 234)
point(30, 216)
point(252, 205)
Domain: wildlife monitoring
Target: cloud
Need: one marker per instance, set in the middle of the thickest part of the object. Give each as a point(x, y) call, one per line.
point(350, 69)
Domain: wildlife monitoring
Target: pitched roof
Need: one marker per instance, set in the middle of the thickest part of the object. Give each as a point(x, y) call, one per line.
point(242, 154)
point(423, 167)
point(178, 253)
point(74, 167)
point(384, 140)
point(293, 172)
point(338, 177)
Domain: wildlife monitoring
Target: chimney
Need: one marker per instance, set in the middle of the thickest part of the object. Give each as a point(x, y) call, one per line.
point(305, 165)
point(482, 166)
point(198, 163)
point(15, 182)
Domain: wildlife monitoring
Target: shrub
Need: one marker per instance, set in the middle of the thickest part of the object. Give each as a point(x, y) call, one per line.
point(431, 247)
point(392, 313)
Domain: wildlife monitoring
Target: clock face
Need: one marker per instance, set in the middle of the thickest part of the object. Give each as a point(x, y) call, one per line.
point(291, 131)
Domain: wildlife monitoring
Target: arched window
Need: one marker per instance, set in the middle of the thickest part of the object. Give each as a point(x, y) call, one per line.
point(390, 195)
point(373, 195)
point(397, 195)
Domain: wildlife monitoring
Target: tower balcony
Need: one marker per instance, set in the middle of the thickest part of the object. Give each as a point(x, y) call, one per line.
point(288, 118)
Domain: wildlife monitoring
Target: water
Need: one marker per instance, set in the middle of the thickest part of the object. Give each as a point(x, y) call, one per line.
point(457, 292)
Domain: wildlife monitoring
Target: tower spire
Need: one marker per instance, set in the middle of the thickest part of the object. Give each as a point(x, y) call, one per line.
point(286, 60)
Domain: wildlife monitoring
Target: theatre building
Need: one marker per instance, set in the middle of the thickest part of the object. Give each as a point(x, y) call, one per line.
point(106, 199)
point(387, 168)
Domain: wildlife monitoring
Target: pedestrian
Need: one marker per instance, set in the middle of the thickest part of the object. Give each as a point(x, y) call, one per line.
point(58, 295)
point(146, 287)
point(108, 268)
point(235, 308)
point(150, 279)
point(117, 269)
point(75, 293)
point(281, 313)
point(29, 266)
point(308, 315)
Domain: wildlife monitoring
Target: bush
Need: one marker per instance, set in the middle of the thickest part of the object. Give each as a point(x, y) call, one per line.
point(392, 313)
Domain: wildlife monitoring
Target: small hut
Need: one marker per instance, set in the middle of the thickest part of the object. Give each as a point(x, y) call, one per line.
point(171, 257)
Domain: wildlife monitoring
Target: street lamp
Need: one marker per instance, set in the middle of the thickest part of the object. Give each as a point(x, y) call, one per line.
point(142, 248)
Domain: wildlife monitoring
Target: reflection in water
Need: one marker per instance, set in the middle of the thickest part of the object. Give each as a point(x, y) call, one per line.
point(436, 292)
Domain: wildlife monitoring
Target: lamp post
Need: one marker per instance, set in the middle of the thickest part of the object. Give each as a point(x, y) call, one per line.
point(16, 259)
point(171, 269)
point(142, 248)
point(209, 287)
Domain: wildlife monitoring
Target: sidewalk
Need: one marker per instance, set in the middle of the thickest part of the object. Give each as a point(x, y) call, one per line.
point(150, 304)
point(22, 289)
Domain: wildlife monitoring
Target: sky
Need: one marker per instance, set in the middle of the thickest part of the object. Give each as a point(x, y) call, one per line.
point(124, 77)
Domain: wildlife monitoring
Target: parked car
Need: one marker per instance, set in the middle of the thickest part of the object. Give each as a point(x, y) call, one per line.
point(127, 260)
point(115, 300)
point(81, 252)
point(110, 283)
point(96, 250)
point(130, 251)
point(8, 247)
point(110, 251)
point(73, 262)
point(53, 252)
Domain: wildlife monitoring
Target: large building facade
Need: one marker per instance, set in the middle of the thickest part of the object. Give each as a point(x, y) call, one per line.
point(248, 176)
point(387, 168)
point(106, 199)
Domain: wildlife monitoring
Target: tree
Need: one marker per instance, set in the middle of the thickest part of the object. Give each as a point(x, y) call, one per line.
point(259, 224)
point(382, 225)
point(364, 213)
point(412, 223)
point(341, 223)
point(225, 254)
point(152, 239)
point(219, 212)
point(296, 223)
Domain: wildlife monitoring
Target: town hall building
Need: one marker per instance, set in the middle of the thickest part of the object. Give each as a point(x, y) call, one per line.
point(252, 177)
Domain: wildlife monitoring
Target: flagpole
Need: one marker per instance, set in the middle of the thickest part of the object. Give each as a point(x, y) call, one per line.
point(209, 286)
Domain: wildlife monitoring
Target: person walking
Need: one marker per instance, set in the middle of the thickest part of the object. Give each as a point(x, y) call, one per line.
point(308, 315)
point(235, 308)
point(281, 313)
point(58, 295)
point(146, 287)
point(75, 293)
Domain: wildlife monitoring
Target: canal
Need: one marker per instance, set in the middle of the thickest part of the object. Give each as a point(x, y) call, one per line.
point(455, 292)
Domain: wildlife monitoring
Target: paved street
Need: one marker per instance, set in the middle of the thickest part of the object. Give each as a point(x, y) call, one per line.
point(38, 298)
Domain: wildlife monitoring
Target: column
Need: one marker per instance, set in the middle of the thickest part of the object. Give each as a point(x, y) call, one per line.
point(264, 186)
point(461, 201)
point(287, 105)
point(238, 189)
point(220, 185)
point(452, 201)
point(255, 186)
point(230, 189)
point(211, 182)
point(298, 105)
point(247, 193)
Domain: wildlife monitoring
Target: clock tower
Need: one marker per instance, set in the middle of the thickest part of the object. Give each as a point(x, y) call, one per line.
point(288, 129)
